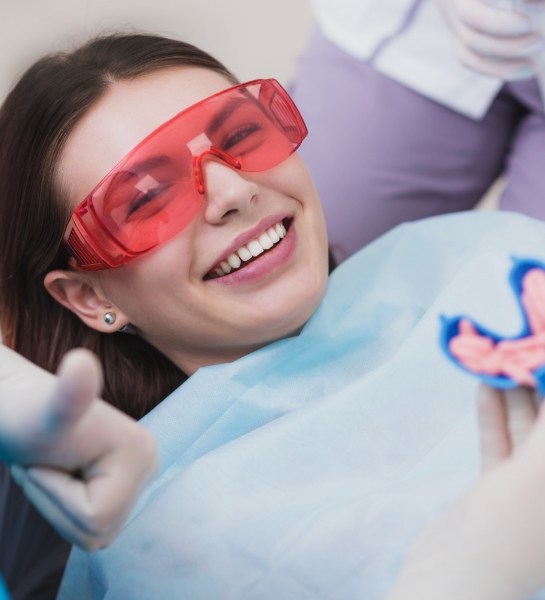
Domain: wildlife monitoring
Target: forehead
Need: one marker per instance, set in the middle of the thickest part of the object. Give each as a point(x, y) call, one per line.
point(128, 112)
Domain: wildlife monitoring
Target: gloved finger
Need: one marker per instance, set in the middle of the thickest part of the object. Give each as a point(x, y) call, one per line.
point(491, 20)
point(79, 382)
point(508, 48)
point(94, 508)
point(48, 405)
point(509, 70)
point(61, 500)
point(535, 442)
point(522, 410)
point(493, 429)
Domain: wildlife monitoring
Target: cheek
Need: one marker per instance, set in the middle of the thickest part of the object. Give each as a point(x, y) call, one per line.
point(302, 188)
point(292, 177)
point(139, 285)
point(172, 261)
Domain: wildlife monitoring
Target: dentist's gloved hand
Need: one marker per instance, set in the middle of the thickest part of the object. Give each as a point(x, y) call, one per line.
point(493, 39)
point(80, 461)
point(491, 542)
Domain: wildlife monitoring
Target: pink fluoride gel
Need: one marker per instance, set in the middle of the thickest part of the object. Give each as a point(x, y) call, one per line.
point(514, 358)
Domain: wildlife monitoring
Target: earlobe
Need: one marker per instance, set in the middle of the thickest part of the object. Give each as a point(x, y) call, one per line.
point(76, 293)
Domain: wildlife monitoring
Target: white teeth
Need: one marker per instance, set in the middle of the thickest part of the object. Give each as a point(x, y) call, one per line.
point(273, 235)
point(265, 241)
point(244, 253)
point(280, 230)
point(234, 261)
point(253, 248)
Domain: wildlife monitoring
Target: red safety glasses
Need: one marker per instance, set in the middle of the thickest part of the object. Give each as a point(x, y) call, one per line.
point(155, 191)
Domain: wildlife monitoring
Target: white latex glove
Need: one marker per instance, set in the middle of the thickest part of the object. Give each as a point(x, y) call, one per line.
point(495, 37)
point(84, 463)
point(491, 543)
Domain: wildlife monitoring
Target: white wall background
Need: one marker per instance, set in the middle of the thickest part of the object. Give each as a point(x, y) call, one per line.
point(253, 38)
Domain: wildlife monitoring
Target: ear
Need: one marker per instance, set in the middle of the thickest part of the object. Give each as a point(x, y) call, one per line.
point(82, 295)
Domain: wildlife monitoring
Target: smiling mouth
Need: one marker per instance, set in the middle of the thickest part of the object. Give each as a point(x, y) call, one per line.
point(251, 251)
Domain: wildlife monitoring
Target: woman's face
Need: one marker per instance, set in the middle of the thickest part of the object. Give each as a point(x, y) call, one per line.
point(169, 294)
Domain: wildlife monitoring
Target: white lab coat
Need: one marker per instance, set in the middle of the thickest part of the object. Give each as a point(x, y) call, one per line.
point(409, 41)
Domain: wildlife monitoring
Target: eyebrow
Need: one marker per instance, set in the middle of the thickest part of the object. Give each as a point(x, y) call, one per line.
point(161, 160)
point(152, 162)
point(217, 121)
point(131, 172)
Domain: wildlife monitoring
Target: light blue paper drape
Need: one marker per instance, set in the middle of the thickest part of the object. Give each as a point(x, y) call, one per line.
point(306, 469)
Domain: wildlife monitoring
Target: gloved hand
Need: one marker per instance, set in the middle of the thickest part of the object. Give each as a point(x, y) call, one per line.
point(80, 461)
point(492, 38)
point(491, 541)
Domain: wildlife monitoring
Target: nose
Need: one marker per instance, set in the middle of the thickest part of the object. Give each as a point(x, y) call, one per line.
point(227, 192)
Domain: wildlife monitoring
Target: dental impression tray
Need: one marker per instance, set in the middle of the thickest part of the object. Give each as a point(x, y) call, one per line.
point(504, 362)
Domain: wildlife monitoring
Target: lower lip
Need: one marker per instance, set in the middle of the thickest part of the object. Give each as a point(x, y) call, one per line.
point(264, 265)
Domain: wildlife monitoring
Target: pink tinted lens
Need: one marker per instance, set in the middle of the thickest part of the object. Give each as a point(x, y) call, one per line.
point(154, 192)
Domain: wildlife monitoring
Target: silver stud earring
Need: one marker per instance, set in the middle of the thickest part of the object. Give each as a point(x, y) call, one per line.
point(109, 318)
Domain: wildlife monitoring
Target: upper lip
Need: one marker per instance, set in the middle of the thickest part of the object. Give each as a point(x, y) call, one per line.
point(248, 236)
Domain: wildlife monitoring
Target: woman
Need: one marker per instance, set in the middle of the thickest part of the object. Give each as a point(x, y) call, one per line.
point(288, 468)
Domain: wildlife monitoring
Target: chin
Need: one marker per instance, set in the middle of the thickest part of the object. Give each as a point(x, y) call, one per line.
point(296, 314)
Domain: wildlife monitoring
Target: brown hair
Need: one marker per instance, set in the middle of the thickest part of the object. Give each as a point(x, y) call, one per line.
point(35, 121)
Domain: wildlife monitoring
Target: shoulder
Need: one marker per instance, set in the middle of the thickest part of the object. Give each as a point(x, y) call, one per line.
point(430, 251)
point(458, 233)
